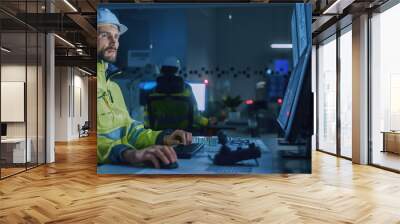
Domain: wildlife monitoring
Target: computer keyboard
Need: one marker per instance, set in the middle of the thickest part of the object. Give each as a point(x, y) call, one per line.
point(207, 140)
point(187, 151)
point(213, 140)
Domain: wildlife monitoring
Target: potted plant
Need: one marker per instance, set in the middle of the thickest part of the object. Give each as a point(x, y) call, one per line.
point(232, 103)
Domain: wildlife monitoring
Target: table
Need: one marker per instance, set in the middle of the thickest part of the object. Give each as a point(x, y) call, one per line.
point(391, 141)
point(13, 150)
point(202, 164)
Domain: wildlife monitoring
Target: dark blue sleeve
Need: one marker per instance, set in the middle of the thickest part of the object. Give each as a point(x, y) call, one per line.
point(118, 150)
point(116, 154)
point(160, 137)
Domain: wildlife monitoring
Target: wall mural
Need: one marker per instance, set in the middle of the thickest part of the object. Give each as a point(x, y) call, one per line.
point(199, 89)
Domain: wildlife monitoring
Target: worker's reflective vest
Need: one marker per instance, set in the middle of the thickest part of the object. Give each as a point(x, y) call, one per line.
point(114, 125)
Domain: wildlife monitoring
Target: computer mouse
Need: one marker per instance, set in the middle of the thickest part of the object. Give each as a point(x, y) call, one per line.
point(173, 165)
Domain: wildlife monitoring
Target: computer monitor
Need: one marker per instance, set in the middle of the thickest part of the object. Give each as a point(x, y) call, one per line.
point(281, 66)
point(198, 89)
point(3, 129)
point(296, 114)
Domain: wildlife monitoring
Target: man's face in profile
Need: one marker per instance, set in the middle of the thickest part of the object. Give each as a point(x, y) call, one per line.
point(107, 42)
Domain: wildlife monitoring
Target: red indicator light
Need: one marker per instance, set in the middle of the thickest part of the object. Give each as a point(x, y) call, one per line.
point(248, 102)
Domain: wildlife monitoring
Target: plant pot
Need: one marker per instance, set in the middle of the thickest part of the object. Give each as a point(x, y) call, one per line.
point(234, 116)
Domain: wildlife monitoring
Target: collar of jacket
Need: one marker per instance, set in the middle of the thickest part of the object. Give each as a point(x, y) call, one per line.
point(110, 70)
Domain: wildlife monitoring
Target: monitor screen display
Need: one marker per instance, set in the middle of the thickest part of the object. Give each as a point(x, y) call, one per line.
point(281, 66)
point(199, 91)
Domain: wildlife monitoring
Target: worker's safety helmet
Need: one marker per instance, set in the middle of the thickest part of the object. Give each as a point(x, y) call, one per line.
point(170, 66)
point(105, 16)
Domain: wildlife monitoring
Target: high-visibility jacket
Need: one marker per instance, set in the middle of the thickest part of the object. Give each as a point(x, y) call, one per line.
point(198, 120)
point(116, 130)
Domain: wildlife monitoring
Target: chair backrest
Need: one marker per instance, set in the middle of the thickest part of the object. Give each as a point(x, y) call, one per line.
point(170, 112)
point(86, 125)
point(170, 84)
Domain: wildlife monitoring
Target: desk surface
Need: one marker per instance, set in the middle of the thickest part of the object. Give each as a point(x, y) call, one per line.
point(202, 164)
point(391, 132)
point(13, 140)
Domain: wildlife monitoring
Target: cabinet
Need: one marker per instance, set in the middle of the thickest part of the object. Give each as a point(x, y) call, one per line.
point(391, 142)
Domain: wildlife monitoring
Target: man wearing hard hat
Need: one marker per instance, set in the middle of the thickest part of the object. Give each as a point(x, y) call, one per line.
point(120, 139)
point(170, 84)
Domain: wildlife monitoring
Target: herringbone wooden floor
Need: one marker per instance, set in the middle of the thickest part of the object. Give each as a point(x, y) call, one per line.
point(70, 191)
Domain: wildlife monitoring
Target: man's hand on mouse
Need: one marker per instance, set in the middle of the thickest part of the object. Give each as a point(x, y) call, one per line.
point(154, 154)
point(178, 137)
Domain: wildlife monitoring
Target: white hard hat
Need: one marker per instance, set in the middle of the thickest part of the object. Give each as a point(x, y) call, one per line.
point(105, 16)
point(172, 62)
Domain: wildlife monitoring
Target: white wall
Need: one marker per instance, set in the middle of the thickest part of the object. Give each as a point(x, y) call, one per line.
point(201, 46)
point(61, 103)
point(13, 72)
point(16, 73)
point(79, 117)
point(10, 73)
point(232, 43)
point(70, 83)
point(245, 43)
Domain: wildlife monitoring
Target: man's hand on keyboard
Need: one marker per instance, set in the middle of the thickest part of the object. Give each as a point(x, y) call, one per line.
point(178, 137)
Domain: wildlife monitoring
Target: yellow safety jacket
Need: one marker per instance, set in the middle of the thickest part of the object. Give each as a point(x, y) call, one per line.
point(116, 130)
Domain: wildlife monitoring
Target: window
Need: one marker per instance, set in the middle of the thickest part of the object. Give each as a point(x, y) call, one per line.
point(327, 96)
point(385, 89)
point(22, 77)
point(346, 92)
